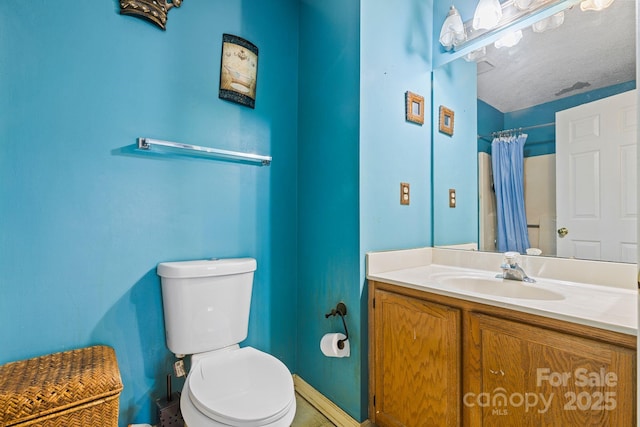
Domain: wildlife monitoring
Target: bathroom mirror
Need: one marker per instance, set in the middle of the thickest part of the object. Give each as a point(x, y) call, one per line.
point(591, 55)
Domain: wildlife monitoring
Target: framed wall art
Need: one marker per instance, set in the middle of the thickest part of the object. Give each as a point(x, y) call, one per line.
point(238, 70)
point(414, 108)
point(446, 120)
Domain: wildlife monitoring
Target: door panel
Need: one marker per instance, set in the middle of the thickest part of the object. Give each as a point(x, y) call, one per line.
point(596, 179)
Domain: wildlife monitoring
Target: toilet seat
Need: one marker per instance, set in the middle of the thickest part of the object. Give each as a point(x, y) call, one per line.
point(243, 387)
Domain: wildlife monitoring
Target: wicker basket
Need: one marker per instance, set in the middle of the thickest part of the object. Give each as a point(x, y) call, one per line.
point(73, 388)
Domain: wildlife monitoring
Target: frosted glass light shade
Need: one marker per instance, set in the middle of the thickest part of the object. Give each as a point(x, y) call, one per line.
point(476, 55)
point(523, 4)
point(548, 23)
point(509, 40)
point(595, 4)
point(452, 32)
point(487, 15)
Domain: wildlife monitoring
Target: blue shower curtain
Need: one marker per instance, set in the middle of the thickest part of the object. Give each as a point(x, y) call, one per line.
point(507, 157)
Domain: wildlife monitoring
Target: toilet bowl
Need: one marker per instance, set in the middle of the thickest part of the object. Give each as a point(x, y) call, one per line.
point(241, 387)
point(206, 306)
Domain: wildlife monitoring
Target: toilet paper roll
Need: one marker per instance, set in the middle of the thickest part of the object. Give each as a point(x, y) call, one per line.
point(329, 345)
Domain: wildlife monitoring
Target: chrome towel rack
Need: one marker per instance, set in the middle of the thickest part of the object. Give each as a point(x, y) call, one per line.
point(149, 143)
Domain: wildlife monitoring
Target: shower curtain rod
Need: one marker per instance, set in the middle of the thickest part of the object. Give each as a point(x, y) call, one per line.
point(494, 134)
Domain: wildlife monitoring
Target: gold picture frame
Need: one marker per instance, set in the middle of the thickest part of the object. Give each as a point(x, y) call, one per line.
point(238, 70)
point(446, 120)
point(414, 108)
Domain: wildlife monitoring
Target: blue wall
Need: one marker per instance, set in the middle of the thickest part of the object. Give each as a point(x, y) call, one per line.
point(355, 147)
point(328, 195)
point(85, 219)
point(489, 120)
point(395, 57)
point(393, 150)
point(455, 163)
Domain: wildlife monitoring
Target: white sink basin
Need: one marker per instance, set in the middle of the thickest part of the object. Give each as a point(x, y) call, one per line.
point(497, 287)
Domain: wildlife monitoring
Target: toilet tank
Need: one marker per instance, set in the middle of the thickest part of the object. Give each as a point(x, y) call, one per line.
point(206, 303)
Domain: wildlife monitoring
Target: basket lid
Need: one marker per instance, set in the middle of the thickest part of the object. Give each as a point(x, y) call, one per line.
point(44, 385)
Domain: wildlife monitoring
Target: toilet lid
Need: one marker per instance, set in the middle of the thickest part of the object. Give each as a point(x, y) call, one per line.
point(243, 387)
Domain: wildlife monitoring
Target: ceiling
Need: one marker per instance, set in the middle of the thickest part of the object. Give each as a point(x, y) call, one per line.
point(590, 50)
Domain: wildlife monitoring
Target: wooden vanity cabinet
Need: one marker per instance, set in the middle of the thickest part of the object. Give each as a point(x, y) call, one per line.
point(442, 361)
point(417, 362)
point(524, 375)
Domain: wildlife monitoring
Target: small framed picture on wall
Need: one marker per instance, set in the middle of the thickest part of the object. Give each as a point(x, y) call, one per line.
point(238, 70)
point(414, 108)
point(446, 120)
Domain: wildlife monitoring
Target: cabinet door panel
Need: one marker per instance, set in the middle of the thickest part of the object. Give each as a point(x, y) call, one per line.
point(417, 362)
point(531, 376)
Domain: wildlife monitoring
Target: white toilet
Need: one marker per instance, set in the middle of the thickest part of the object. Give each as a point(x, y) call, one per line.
point(206, 314)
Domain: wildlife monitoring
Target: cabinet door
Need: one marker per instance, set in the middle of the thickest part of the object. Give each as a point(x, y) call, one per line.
point(416, 362)
point(523, 375)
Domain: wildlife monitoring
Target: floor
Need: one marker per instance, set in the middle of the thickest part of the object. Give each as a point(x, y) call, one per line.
point(308, 416)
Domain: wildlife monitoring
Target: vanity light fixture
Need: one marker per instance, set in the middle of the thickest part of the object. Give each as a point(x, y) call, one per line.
point(452, 32)
point(509, 40)
point(492, 16)
point(595, 4)
point(487, 15)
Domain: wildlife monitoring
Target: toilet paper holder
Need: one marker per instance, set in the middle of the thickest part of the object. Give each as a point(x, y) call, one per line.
point(340, 310)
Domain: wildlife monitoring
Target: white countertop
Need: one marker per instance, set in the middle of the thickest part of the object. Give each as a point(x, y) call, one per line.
point(612, 308)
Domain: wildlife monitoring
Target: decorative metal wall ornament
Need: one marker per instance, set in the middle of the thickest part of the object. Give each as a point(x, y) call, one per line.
point(152, 10)
point(238, 70)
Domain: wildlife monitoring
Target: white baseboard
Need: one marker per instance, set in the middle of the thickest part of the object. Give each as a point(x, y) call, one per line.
point(325, 406)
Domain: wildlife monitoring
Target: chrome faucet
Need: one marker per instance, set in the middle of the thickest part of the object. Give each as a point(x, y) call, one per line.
point(511, 270)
